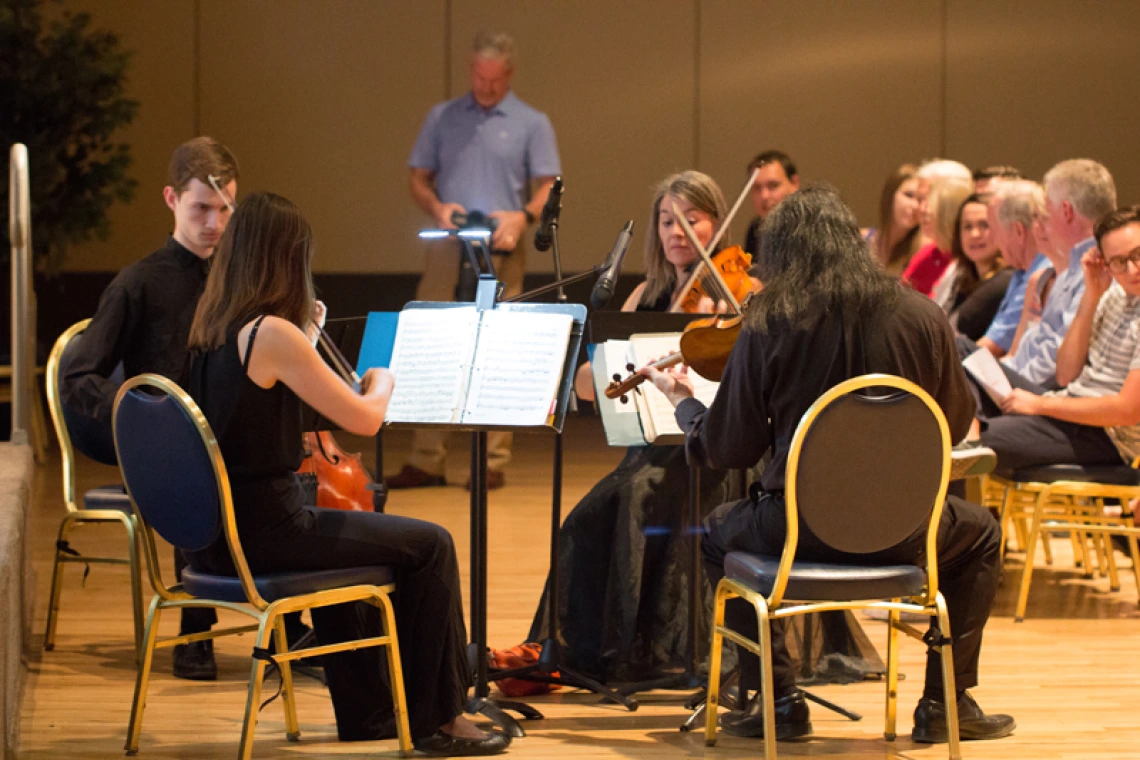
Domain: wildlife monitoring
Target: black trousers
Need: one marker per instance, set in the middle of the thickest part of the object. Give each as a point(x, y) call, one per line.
point(986, 407)
point(194, 619)
point(428, 605)
point(1028, 440)
point(969, 566)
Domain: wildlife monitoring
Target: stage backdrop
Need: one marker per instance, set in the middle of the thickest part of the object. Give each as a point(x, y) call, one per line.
point(321, 101)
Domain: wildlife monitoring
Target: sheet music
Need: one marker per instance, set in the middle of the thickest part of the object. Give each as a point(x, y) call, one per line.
point(985, 369)
point(656, 411)
point(431, 362)
point(517, 368)
point(616, 354)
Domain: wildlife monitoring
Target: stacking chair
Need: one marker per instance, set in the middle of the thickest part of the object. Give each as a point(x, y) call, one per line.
point(1070, 498)
point(105, 504)
point(177, 481)
point(864, 473)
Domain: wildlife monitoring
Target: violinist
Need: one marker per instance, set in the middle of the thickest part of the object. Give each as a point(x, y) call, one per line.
point(251, 366)
point(623, 548)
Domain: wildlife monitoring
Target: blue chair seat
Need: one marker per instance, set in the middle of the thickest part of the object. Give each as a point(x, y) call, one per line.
point(274, 586)
point(1114, 475)
point(813, 581)
point(107, 497)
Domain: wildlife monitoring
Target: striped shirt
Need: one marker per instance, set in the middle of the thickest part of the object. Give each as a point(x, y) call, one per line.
point(1114, 351)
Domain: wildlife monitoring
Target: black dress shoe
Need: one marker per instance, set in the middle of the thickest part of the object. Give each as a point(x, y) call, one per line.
point(930, 721)
point(440, 744)
point(793, 718)
point(195, 661)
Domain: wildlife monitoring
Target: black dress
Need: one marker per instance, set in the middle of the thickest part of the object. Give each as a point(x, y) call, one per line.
point(259, 432)
point(624, 568)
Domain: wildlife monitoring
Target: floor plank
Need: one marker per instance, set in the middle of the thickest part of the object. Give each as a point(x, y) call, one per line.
point(1069, 673)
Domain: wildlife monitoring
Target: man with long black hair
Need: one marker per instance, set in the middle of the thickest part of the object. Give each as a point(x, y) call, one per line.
point(828, 313)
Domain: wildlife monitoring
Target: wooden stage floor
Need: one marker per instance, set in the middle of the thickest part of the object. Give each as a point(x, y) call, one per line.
point(1070, 674)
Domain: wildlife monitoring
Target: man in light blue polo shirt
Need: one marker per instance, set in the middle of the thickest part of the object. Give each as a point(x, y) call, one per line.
point(1077, 193)
point(490, 152)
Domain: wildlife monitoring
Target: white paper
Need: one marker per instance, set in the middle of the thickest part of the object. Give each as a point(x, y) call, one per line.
point(518, 364)
point(657, 413)
point(615, 354)
point(431, 362)
point(987, 372)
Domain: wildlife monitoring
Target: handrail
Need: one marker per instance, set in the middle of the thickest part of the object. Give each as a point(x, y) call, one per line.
point(20, 234)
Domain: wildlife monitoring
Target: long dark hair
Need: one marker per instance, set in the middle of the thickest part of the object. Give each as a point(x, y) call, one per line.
point(895, 254)
point(969, 278)
point(261, 266)
point(812, 257)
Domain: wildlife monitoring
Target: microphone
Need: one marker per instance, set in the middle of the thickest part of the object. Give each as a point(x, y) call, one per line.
point(604, 288)
point(544, 235)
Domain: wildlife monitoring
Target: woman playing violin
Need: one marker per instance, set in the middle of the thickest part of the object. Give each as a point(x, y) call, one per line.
point(623, 547)
point(251, 367)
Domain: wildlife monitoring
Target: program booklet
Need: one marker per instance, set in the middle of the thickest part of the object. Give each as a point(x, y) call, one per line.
point(464, 366)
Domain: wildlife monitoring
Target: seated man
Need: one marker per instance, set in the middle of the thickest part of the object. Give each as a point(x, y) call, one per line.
point(1096, 418)
point(803, 334)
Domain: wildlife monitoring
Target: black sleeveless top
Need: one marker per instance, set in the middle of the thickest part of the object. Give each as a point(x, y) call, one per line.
point(258, 430)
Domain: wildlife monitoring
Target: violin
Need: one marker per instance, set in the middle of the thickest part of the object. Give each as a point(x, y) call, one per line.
point(342, 481)
point(705, 346)
point(732, 265)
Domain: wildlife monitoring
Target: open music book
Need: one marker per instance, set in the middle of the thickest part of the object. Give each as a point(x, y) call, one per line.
point(652, 410)
point(461, 365)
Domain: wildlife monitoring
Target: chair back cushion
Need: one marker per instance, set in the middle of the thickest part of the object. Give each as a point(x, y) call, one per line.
point(88, 435)
point(168, 469)
point(869, 470)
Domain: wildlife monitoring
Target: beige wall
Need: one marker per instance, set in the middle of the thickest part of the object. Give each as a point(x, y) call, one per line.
point(321, 101)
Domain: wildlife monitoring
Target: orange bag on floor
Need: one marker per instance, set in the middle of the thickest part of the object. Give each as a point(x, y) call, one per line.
point(519, 657)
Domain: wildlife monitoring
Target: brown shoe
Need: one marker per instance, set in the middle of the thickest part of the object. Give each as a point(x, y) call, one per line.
point(413, 477)
point(495, 480)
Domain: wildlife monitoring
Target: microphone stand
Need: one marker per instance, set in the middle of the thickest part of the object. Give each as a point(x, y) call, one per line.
point(549, 662)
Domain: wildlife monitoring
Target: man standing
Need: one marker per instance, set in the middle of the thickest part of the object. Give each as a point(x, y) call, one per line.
point(777, 179)
point(797, 331)
point(143, 322)
point(490, 152)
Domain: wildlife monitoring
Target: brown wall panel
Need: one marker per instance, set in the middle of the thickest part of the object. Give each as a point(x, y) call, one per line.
point(1031, 85)
point(849, 90)
point(321, 103)
point(161, 78)
point(605, 74)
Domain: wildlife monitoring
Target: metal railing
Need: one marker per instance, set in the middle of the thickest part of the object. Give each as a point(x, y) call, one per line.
point(20, 234)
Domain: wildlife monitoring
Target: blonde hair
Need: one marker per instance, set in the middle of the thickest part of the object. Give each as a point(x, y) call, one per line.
point(945, 199)
point(704, 194)
point(498, 45)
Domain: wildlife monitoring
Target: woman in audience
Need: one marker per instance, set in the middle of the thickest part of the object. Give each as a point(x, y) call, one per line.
point(252, 364)
point(981, 274)
point(896, 239)
point(937, 218)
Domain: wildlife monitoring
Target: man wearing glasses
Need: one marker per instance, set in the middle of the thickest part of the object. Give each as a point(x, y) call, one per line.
point(1095, 420)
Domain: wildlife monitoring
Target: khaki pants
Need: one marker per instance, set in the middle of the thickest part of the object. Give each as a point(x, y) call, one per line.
point(441, 275)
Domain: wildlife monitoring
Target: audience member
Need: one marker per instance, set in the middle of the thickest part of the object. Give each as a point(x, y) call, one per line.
point(938, 215)
point(1095, 420)
point(895, 240)
point(987, 180)
point(1011, 212)
point(983, 275)
point(777, 179)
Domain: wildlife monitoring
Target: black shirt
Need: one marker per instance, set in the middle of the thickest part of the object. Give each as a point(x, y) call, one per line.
point(773, 378)
point(973, 314)
point(143, 321)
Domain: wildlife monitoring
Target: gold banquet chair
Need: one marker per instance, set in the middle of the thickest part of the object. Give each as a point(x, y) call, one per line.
point(105, 504)
point(1071, 498)
point(848, 438)
point(178, 483)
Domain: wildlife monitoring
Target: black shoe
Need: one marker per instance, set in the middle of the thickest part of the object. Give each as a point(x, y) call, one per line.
point(793, 718)
point(930, 721)
point(414, 477)
point(195, 661)
point(440, 744)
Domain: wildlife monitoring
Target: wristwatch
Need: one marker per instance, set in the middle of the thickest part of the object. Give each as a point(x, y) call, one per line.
point(529, 216)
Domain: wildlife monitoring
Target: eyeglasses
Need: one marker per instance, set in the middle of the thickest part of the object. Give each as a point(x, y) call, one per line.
point(1119, 264)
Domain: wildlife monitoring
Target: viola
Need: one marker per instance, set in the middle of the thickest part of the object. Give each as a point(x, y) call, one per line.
point(342, 481)
point(705, 346)
point(732, 265)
